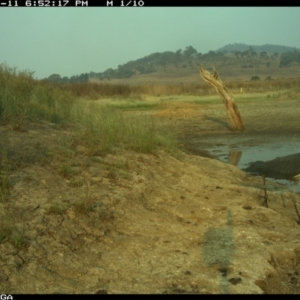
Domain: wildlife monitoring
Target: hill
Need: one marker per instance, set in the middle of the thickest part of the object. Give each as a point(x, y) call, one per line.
point(233, 62)
point(267, 48)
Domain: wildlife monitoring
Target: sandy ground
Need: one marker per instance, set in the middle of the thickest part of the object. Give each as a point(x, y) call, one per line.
point(150, 223)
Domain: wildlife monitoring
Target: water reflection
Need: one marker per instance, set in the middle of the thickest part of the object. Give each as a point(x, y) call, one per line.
point(243, 156)
point(234, 157)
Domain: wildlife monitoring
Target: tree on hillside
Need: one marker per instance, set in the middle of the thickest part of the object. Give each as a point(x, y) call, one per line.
point(245, 53)
point(237, 54)
point(124, 72)
point(245, 56)
point(169, 57)
point(289, 57)
point(205, 56)
point(263, 55)
point(109, 74)
point(190, 64)
point(73, 79)
point(65, 80)
point(84, 77)
point(190, 52)
point(141, 69)
point(56, 78)
point(254, 54)
point(178, 55)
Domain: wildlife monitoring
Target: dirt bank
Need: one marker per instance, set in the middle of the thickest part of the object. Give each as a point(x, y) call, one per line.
point(267, 121)
point(149, 223)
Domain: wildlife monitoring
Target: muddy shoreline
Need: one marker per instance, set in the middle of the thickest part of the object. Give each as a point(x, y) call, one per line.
point(147, 223)
point(264, 123)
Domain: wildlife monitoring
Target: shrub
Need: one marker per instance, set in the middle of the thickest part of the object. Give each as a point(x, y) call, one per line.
point(254, 78)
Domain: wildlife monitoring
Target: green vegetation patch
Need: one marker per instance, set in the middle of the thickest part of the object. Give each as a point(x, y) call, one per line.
point(135, 105)
point(107, 128)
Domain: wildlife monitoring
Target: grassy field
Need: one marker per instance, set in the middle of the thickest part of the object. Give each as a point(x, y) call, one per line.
point(104, 118)
point(104, 125)
point(22, 97)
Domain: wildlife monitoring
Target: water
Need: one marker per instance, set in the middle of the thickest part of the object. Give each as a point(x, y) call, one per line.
point(247, 152)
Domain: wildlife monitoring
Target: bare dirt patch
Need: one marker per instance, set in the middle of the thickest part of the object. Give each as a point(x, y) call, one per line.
point(140, 223)
point(180, 110)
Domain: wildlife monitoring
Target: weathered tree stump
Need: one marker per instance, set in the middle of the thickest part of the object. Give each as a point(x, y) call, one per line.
point(235, 121)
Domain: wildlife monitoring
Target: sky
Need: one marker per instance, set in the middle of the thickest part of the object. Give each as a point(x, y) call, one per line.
point(71, 40)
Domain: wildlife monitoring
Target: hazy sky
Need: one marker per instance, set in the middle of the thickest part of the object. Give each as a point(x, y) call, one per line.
point(70, 41)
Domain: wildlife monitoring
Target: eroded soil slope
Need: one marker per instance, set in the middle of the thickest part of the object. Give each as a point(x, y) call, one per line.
point(140, 223)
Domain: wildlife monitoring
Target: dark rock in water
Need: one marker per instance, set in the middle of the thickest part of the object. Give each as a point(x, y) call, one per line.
point(255, 167)
point(285, 167)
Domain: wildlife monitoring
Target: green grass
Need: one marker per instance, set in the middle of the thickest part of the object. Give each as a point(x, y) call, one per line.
point(21, 97)
point(106, 129)
point(249, 97)
point(103, 127)
point(134, 105)
point(85, 205)
point(206, 100)
point(17, 239)
point(57, 209)
point(117, 169)
point(5, 185)
point(5, 167)
point(6, 228)
point(76, 182)
point(106, 126)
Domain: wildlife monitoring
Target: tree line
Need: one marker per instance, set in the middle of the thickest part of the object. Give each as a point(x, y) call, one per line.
point(187, 58)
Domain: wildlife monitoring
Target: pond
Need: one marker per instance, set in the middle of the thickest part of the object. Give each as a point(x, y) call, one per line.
point(250, 150)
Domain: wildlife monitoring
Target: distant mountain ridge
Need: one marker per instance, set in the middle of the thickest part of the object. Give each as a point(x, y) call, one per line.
point(267, 48)
point(232, 58)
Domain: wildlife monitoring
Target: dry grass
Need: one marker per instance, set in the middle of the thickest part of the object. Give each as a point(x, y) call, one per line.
point(138, 91)
point(180, 110)
point(103, 126)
